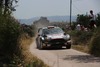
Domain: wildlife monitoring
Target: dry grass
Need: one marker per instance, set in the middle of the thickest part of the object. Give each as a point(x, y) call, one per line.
point(81, 48)
point(25, 42)
point(28, 58)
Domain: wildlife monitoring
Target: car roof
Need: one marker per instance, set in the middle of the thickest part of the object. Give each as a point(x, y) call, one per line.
point(49, 27)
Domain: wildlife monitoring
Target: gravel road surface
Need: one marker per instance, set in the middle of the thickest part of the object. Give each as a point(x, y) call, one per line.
point(65, 57)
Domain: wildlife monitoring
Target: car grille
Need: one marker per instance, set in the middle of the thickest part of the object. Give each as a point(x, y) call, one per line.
point(57, 41)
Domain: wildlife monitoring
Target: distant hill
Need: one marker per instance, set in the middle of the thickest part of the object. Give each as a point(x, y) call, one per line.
point(50, 18)
point(28, 21)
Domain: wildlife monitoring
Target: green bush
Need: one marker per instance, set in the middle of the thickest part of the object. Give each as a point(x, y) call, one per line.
point(9, 33)
point(98, 20)
point(81, 37)
point(95, 44)
point(28, 29)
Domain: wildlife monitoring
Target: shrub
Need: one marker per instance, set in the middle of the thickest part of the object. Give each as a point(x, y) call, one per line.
point(9, 32)
point(81, 37)
point(95, 44)
point(28, 29)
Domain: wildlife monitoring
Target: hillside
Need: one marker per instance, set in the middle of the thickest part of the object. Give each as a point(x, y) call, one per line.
point(50, 18)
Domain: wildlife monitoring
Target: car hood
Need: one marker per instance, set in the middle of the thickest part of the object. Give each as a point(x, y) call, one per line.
point(56, 36)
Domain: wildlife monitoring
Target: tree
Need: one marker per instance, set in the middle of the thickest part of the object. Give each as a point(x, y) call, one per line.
point(7, 6)
point(1, 5)
point(98, 19)
point(83, 20)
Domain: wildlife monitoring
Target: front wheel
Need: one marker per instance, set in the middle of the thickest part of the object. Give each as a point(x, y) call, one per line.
point(41, 45)
point(68, 46)
point(37, 44)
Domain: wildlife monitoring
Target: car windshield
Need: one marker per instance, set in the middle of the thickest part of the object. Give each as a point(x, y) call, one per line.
point(53, 31)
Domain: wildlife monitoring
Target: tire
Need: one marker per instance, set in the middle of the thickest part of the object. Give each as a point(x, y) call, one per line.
point(37, 45)
point(68, 46)
point(41, 45)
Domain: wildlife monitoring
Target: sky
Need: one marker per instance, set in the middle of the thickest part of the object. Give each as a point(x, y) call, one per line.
point(35, 8)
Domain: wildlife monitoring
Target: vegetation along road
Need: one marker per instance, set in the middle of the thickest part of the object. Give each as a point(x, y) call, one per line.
point(65, 57)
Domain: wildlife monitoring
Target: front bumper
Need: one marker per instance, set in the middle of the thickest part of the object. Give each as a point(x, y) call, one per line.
point(55, 42)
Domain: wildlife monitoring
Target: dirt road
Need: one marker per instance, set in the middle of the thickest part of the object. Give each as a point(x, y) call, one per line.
point(65, 57)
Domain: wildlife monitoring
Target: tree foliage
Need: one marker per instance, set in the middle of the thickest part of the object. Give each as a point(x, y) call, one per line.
point(10, 31)
point(83, 20)
point(98, 19)
point(7, 6)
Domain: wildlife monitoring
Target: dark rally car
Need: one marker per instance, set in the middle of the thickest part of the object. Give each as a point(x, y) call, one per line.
point(52, 36)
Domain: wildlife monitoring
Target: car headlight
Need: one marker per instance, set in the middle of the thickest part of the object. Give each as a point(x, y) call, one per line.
point(43, 38)
point(47, 38)
point(67, 37)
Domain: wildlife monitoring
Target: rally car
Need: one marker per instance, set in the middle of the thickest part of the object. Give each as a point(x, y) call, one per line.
point(52, 36)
